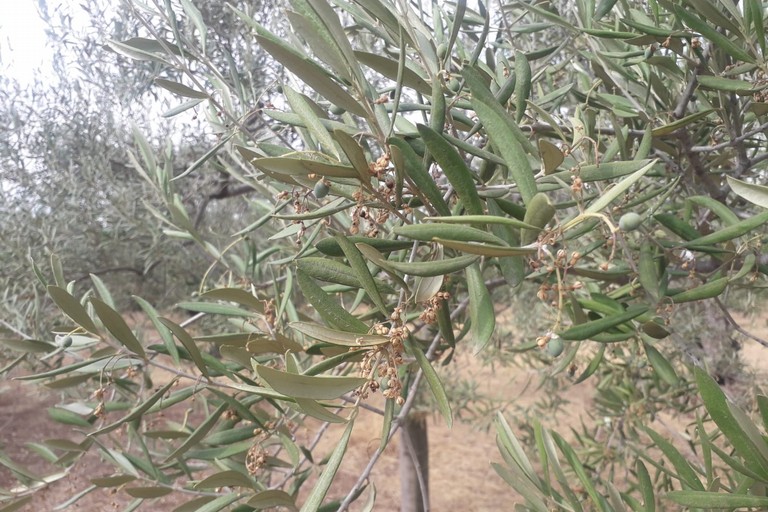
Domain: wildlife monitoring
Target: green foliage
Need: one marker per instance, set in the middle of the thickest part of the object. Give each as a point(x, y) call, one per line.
point(592, 171)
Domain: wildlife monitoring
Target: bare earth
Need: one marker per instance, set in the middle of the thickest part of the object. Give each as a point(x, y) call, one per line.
point(461, 477)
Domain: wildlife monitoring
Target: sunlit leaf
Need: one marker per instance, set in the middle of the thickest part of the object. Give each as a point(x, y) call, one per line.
point(72, 308)
point(180, 89)
point(315, 498)
point(117, 326)
point(304, 386)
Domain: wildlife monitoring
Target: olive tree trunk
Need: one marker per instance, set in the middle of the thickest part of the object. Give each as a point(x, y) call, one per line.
point(414, 464)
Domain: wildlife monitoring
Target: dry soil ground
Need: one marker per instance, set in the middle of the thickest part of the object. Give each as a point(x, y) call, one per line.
point(460, 474)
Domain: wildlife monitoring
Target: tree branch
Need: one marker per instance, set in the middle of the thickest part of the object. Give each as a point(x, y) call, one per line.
point(736, 326)
point(398, 422)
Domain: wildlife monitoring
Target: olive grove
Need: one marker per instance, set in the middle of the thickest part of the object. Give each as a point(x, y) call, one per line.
point(401, 174)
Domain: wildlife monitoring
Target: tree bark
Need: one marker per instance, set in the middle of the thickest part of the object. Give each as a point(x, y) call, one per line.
point(414, 464)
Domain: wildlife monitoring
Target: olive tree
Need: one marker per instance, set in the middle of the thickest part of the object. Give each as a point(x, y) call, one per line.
point(415, 165)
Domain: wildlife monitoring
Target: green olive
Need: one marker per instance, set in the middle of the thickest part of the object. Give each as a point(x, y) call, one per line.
point(655, 329)
point(337, 111)
point(442, 51)
point(555, 347)
point(454, 85)
point(630, 221)
point(321, 189)
point(66, 341)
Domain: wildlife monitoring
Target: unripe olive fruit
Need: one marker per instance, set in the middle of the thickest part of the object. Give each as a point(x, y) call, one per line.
point(655, 329)
point(630, 221)
point(442, 51)
point(454, 85)
point(337, 111)
point(66, 341)
point(555, 347)
point(321, 189)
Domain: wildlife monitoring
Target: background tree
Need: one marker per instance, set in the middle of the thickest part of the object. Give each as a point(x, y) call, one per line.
point(414, 168)
point(68, 184)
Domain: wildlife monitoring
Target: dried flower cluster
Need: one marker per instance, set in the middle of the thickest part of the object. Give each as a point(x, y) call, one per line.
point(380, 364)
point(433, 305)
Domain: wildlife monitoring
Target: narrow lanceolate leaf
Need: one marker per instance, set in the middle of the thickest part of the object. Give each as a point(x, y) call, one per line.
point(676, 125)
point(32, 346)
point(302, 167)
point(72, 308)
point(720, 41)
point(319, 387)
point(310, 73)
point(354, 153)
point(316, 410)
point(685, 472)
point(103, 291)
point(199, 433)
point(272, 498)
point(492, 251)
point(647, 270)
point(315, 499)
point(67, 417)
point(590, 329)
point(580, 471)
point(346, 339)
point(733, 231)
point(619, 189)
point(327, 307)
point(480, 308)
point(705, 291)
point(357, 262)
point(603, 8)
point(504, 133)
point(717, 406)
point(238, 295)
point(300, 106)
point(646, 487)
point(481, 219)
point(434, 267)
point(205, 157)
point(389, 68)
point(188, 343)
point(723, 212)
point(333, 271)
point(414, 169)
point(424, 288)
point(325, 29)
point(133, 50)
point(331, 247)
point(138, 411)
point(522, 85)
point(757, 194)
point(720, 83)
point(180, 89)
point(148, 492)
point(455, 169)
point(117, 326)
point(537, 215)
point(112, 481)
point(168, 343)
point(428, 232)
point(230, 478)
point(207, 504)
point(435, 385)
point(717, 500)
point(661, 365)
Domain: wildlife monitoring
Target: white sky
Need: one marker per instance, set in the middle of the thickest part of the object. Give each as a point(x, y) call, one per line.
point(22, 40)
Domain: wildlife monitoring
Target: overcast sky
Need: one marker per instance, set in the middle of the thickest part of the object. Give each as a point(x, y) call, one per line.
point(22, 39)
